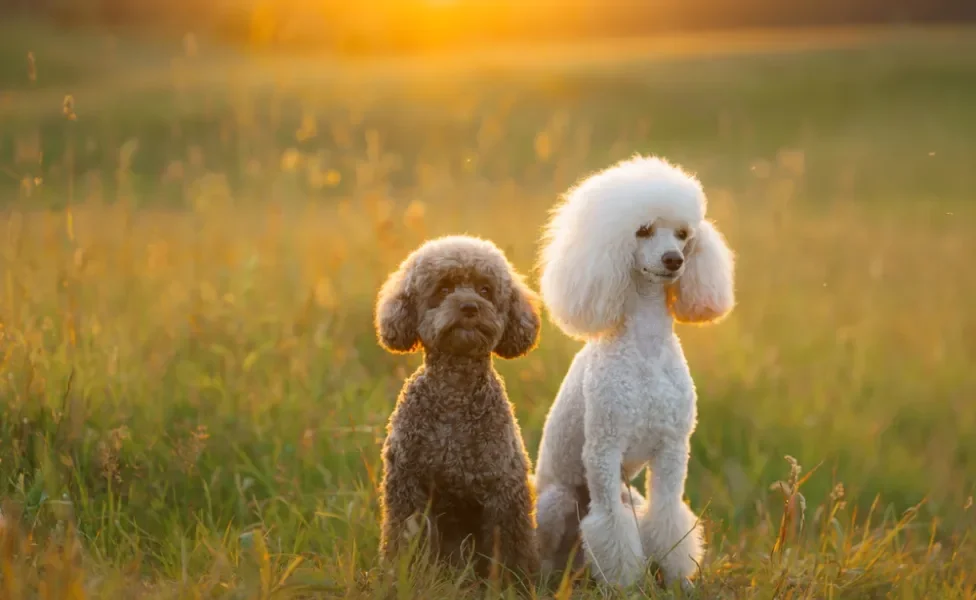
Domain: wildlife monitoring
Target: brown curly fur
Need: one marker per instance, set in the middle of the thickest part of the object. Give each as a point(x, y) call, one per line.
point(454, 451)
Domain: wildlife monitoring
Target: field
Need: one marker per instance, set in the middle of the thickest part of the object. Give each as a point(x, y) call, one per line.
point(192, 399)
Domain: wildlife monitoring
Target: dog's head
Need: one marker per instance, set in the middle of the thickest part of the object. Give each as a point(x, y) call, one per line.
point(457, 295)
point(642, 220)
point(661, 246)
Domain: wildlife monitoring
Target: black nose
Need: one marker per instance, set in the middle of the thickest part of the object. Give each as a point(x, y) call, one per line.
point(469, 309)
point(672, 260)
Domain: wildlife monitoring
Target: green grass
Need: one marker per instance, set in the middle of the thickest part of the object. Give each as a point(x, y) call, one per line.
point(192, 400)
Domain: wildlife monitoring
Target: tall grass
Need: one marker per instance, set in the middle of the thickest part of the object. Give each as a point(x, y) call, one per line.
point(193, 400)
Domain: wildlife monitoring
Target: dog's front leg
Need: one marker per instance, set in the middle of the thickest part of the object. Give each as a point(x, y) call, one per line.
point(670, 531)
point(508, 528)
point(609, 530)
point(405, 508)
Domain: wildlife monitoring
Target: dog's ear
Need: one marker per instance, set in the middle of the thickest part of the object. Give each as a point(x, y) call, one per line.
point(522, 322)
point(396, 315)
point(706, 290)
point(586, 264)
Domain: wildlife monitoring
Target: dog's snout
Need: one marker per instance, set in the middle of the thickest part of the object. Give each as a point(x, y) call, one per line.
point(469, 309)
point(672, 260)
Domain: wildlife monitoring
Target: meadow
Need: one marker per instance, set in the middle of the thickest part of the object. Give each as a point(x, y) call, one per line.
point(192, 400)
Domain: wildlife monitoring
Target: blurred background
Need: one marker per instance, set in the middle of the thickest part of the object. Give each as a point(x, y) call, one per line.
point(199, 201)
point(395, 26)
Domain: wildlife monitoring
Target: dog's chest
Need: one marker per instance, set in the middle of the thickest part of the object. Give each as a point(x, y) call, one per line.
point(468, 438)
point(465, 456)
point(663, 413)
point(666, 390)
point(657, 394)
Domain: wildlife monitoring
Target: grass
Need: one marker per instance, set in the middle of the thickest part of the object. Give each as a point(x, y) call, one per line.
point(192, 397)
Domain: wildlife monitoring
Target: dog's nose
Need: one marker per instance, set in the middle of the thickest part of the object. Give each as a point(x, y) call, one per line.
point(469, 309)
point(672, 260)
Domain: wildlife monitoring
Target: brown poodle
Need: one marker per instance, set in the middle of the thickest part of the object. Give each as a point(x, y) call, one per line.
point(454, 459)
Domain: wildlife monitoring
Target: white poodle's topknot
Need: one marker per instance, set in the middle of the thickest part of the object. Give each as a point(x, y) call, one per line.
point(590, 239)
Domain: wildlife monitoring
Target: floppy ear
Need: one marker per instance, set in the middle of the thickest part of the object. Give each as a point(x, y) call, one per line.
point(522, 322)
point(586, 265)
point(396, 316)
point(706, 290)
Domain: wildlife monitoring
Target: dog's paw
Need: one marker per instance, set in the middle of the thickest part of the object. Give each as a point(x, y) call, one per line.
point(613, 546)
point(632, 499)
point(672, 536)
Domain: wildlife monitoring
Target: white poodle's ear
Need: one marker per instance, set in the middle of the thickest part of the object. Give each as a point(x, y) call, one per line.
point(586, 266)
point(706, 290)
point(522, 322)
point(396, 315)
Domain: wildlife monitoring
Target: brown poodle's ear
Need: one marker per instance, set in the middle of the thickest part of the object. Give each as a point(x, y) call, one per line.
point(522, 324)
point(396, 315)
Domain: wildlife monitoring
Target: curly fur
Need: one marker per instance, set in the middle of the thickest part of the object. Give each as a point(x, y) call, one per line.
point(454, 452)
point(626, 254)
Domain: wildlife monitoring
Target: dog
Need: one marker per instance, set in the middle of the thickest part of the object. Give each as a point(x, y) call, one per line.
point(626, 254)
point(454, 458)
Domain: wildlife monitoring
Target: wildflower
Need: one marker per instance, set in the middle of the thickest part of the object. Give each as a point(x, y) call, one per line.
point(290, 160)
point(413, 216)
point(68, 108)
point(543, 146)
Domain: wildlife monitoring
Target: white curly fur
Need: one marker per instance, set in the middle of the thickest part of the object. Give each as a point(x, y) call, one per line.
point(628, 400)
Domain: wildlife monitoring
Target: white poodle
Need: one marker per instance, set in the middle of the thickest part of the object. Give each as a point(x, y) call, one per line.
point(627, 253)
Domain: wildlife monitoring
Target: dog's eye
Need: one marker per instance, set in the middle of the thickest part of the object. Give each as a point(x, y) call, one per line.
point(445, 290)
point(485, 291)
point(682, 234)
point(645, 231)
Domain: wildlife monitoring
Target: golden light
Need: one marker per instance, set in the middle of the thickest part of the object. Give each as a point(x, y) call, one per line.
point(394, 25)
